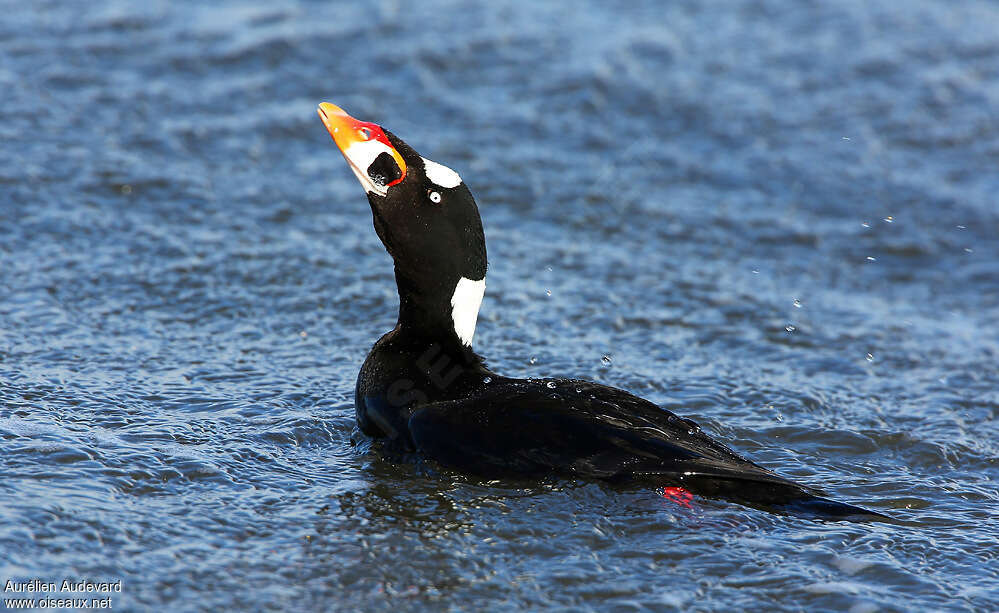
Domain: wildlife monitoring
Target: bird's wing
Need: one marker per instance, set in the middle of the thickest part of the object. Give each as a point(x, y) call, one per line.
point(579, 428)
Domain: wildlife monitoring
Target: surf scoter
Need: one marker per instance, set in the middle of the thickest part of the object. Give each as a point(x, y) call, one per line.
point(425, 389)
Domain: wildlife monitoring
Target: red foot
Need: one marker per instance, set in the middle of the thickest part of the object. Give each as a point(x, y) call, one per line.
point(678, 495)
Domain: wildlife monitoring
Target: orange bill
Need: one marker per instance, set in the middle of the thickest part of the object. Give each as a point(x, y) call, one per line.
point(363, 144)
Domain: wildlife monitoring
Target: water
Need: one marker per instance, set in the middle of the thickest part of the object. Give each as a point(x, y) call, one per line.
point(779, 221)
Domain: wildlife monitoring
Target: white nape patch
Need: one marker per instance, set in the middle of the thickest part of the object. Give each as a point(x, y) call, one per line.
point(360, 155)
point(465, 304)
point(441, 175)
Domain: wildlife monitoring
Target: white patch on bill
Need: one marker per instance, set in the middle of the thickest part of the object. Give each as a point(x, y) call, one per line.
point(465, 304)
point(441, 175)
point(359, 156)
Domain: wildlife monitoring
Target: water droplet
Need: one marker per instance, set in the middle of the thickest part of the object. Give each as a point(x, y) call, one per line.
point(969, 250)
point(579, 390)
point(845, 138)
point(550, 384)
point(487, 379)
point(548, 292)
point(889, 219)
point(779, 418)
point(962, 227)
point(871, 258)
point(533, 360)
point(789, 328)
point(797, 303)
point(756, 272)
point(606, 360)
point(870, 357)
point(866, 225)
point(548, 268)
point(303, 334)
point(691, 431)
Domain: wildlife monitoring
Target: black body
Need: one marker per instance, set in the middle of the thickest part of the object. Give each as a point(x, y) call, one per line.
point(449, 407)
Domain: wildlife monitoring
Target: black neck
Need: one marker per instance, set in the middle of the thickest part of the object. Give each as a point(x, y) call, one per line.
point(425, 315)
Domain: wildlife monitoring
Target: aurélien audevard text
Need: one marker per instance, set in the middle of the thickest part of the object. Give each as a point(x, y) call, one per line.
point(65, 594)
point(65, 586)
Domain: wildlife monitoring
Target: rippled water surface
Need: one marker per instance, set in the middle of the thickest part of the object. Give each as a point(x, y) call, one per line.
point(779, 219)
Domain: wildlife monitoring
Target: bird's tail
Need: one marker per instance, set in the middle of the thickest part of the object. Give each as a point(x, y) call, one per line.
point(824, 508)
point(779, 496)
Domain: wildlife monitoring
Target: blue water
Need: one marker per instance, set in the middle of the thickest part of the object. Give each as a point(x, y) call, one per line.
point(777, 218)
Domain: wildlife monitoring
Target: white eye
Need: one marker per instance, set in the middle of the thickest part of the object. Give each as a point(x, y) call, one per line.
point(435, 197)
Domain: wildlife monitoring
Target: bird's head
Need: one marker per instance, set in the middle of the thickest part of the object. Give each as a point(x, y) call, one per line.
point(425, 216)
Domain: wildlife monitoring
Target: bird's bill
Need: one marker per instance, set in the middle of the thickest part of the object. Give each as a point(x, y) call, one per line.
point(368, 151)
